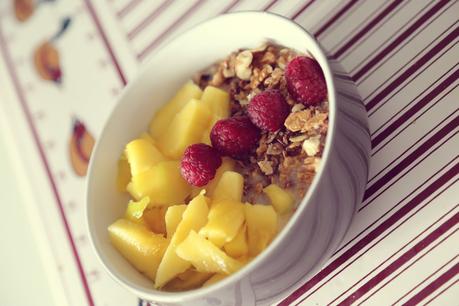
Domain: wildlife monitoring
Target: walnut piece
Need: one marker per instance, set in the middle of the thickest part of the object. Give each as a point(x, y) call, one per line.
point(242, 66)
point(311, 145)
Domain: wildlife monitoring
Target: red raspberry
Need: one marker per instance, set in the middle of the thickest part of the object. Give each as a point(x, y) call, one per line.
point(199, 164)
point(268, 110)
point(235, 137)
point(305, 80)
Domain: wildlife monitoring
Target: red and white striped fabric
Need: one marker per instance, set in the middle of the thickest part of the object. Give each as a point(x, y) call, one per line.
point(403, 245)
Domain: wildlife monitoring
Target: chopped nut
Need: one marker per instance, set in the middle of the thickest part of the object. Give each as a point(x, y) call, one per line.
point(275, 78)
point(311, 145)
point(296, 121)
point(274, 149)
point(297, 107)
point(268, 58)
point(298, 138)
point(265, 167)
point(242, 66)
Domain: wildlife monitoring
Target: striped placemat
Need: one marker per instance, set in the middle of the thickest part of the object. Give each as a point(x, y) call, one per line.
point(403, 245)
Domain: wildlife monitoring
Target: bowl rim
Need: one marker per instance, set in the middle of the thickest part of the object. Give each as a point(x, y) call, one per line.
point(181, 296)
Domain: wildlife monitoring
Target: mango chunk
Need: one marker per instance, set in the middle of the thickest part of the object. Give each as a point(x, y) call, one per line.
point(163, 183)
point(164, 116)
point(124, 174)
point(281, 200)
point(214, 279)
point(229, 187)
point(261, 223)
point(217, 100)
point(147, 136)
point(154, 219)
point(238, 246)
point(135, 210)
point(227, 165)
point(205, 256)
point(142, 155)
point(186, 128)
point(194, 217)
point(225, 219)
point(173, 217)
point(142, 248)
point(189, 279)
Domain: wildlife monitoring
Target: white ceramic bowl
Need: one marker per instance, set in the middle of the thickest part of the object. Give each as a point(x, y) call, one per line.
point(320, 222)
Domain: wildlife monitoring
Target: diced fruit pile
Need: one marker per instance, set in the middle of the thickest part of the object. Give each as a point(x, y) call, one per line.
point(187, 224)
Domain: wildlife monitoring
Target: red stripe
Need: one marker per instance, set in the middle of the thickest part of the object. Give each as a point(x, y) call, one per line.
point(426, 279)
point(415, 108)
point(22, 99)
point(396, 253)
point(176, 23)
point(229, 7)
point(269, 5)
point(102, 35)
point(358, 246)
point(397, 41)
point(435, 138)
point(127, 8)
point(413, 68)
point(430, 288)
point(396, 205)
point(410, 147)
point(335, 17)
point(302, 9)
point(441, 292)
point(403, 259)
point(149, 19)
point(440, 99)
point(388, 232)
point(367, 28)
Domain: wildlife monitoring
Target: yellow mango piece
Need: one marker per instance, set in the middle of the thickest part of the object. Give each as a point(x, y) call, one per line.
point(164, 116)
point(225, 219)
point(173, 217)
point(148, 137)
point(261, 223)
point(205, 256)
point(214, 279)
point(194, 217)
point(189, 279)
point(186, 128)
point(142, 155)
point(229, 187)
point(238, 246)
point(281, 200)
point(154, 219)
point(227, 165)
point(124, 174)
point(217, 100)
point(135, 210)
point(163, 183)
point(142, 248)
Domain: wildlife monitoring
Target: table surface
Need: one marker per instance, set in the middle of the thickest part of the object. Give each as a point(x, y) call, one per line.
point(403, 245)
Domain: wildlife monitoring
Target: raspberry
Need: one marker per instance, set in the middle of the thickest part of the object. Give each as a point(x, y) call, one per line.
point(305, 80)
point(268, 110)
point(235, 137)
point(199, 164)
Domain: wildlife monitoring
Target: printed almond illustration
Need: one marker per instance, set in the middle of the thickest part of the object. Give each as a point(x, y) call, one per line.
point(46, 56)
point(23, 9)
point(80, 148)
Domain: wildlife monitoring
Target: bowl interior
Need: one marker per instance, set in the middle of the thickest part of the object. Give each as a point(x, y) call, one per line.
point(166, 71)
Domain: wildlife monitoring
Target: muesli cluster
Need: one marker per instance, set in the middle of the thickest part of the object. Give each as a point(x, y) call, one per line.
point(291, 155)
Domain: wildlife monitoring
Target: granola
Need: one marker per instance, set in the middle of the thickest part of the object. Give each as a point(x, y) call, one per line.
point(289, 157)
